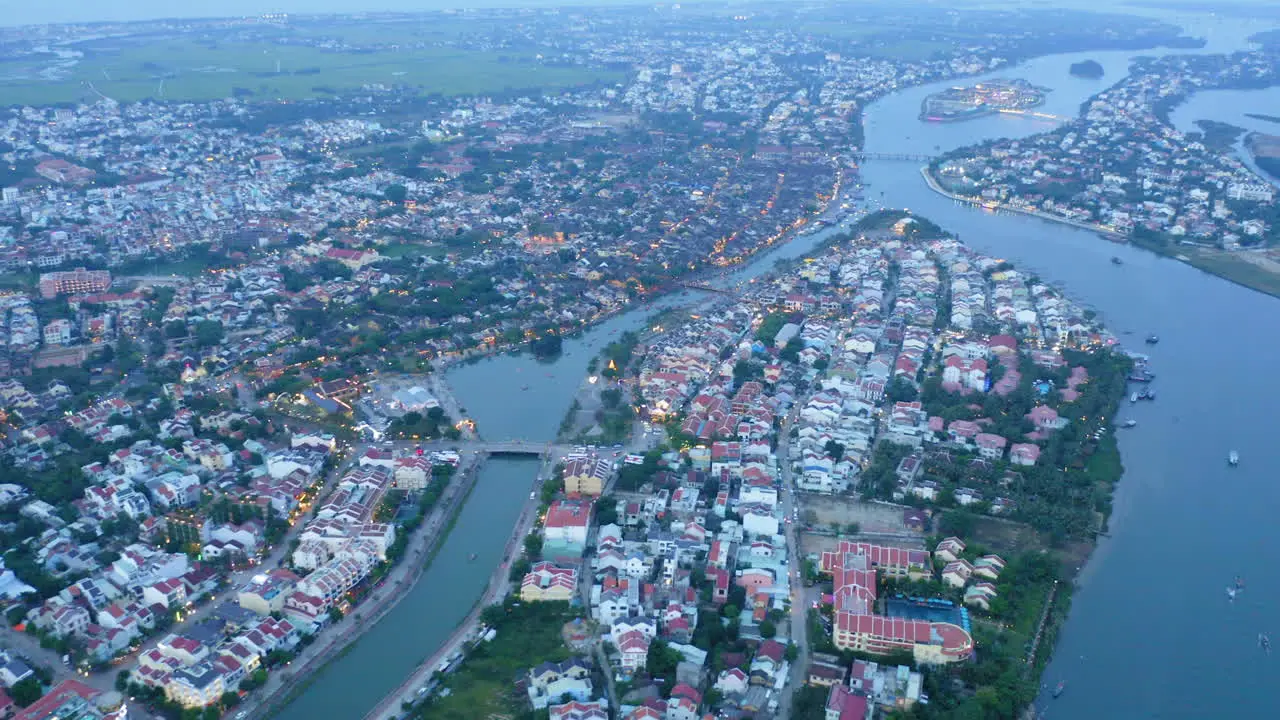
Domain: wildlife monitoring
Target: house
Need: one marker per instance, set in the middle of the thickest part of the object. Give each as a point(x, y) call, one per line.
point(980, 595)
point(731, 682)
point(548, 582)
point(67, 699)
point(957, 573)
point(1024, 454)
point(990, 446)
point(1046, 419)
point(767, 662)
point(988, 566)
point(195, 686)
point(576, 710)
point(633, 647)
point(826, 674)
point(844, 704)
point(265, 593)
point(949, 549)
point(552, 681)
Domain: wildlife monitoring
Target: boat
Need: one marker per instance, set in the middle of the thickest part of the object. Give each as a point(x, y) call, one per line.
point(1116, 261)
point(1264, 642)
point(1130, 423)
point(524, 387)
point(1233, 458)
point(471, 558)
point(1153, 339)
point(1133, 397)
point(1231, 593)
point(1060, 687)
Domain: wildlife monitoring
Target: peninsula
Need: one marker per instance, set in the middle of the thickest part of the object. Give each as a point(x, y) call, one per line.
point(981, 99)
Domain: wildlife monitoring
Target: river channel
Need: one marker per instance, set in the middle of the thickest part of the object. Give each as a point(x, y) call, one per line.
point(1151, 633)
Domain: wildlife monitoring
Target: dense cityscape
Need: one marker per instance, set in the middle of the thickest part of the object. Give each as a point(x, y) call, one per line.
point(240, 259)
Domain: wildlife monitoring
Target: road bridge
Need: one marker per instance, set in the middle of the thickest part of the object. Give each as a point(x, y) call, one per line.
point(894, 157)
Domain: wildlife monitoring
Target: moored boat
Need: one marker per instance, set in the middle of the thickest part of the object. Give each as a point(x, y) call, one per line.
point(1060, 687)
point(1116, 261)
point(1233, 458)
point(1153, 339)
point(1133, 397)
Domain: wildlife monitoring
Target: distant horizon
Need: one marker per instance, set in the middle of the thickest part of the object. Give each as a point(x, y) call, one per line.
point(15, 14)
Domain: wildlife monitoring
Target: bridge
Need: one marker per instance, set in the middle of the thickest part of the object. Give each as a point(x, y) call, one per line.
point(894, 157)
point(498, 447)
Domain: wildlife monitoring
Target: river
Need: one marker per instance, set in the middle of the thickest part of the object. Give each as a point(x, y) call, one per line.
point(1151, 633)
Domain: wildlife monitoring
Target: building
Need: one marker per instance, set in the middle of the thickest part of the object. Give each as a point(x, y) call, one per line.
point(67, 699)
point(586, 476)
point(845, 704)
point(75, 282)
point(576, 710)
point(199, 685)
point(265, 594)
point(857, 627)
point(547, 582)
point(552, 681)
point(57, 332)
point(567, 522)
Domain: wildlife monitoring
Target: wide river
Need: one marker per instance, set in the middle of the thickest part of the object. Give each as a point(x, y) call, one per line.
point(1151, 633)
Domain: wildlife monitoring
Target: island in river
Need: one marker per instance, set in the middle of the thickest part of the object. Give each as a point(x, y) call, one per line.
point(981, 99)
point(1087, 69)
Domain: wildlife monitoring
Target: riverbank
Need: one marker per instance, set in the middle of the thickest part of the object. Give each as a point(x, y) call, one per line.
point(279, 691)
point(1105, 232)
point(1260, 274)
point(499, 585)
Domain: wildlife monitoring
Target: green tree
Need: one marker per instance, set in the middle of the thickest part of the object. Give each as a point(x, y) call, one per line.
point(26, 692)
point(768, 629)
point(209, 333)
point(396, 193)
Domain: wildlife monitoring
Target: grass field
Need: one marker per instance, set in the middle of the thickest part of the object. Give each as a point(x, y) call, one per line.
point(193, 69)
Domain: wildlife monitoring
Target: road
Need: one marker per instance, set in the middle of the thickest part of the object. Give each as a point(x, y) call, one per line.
point(381, 599)
point(798, 622)
point(497, 589)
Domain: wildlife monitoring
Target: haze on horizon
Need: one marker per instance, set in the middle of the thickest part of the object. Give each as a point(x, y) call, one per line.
point(13, 12)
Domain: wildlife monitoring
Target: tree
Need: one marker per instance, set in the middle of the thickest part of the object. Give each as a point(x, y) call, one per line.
point(175, 329)
point(834, 449)
point(768, 629)
point(26, 692)
point(396, 193)
point(209, 333)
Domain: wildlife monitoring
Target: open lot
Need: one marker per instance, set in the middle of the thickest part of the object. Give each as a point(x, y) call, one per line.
point(196, 69)
point(870, 517)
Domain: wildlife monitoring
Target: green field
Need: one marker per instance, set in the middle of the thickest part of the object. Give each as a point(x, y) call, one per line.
point(193, 69)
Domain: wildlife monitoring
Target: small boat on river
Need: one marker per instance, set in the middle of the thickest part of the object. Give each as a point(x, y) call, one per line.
point(1153, 339)
point(1133, 397)
point(1231, 594)
point(1233, 458)
point(1060, 687)
point(1264, 642)
point(1116, 261)
point(1129, 423)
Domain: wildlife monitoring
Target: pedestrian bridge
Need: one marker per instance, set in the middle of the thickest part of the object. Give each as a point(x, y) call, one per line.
point(501, 447)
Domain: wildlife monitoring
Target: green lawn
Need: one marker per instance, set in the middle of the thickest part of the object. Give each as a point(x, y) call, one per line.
point(189, 69)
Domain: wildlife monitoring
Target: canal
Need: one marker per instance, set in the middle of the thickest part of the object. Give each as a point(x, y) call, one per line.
point(385, 655)
point(1151, 633)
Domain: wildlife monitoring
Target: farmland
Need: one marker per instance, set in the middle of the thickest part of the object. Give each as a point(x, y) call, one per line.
point(198, 68)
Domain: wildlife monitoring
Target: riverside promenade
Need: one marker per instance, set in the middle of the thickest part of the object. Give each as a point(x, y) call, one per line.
point(391, 706)
point(1106, 233)
point(336, 638)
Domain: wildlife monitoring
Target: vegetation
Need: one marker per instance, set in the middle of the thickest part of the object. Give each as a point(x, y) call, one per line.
point(1087, 69)
point(528, 634)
